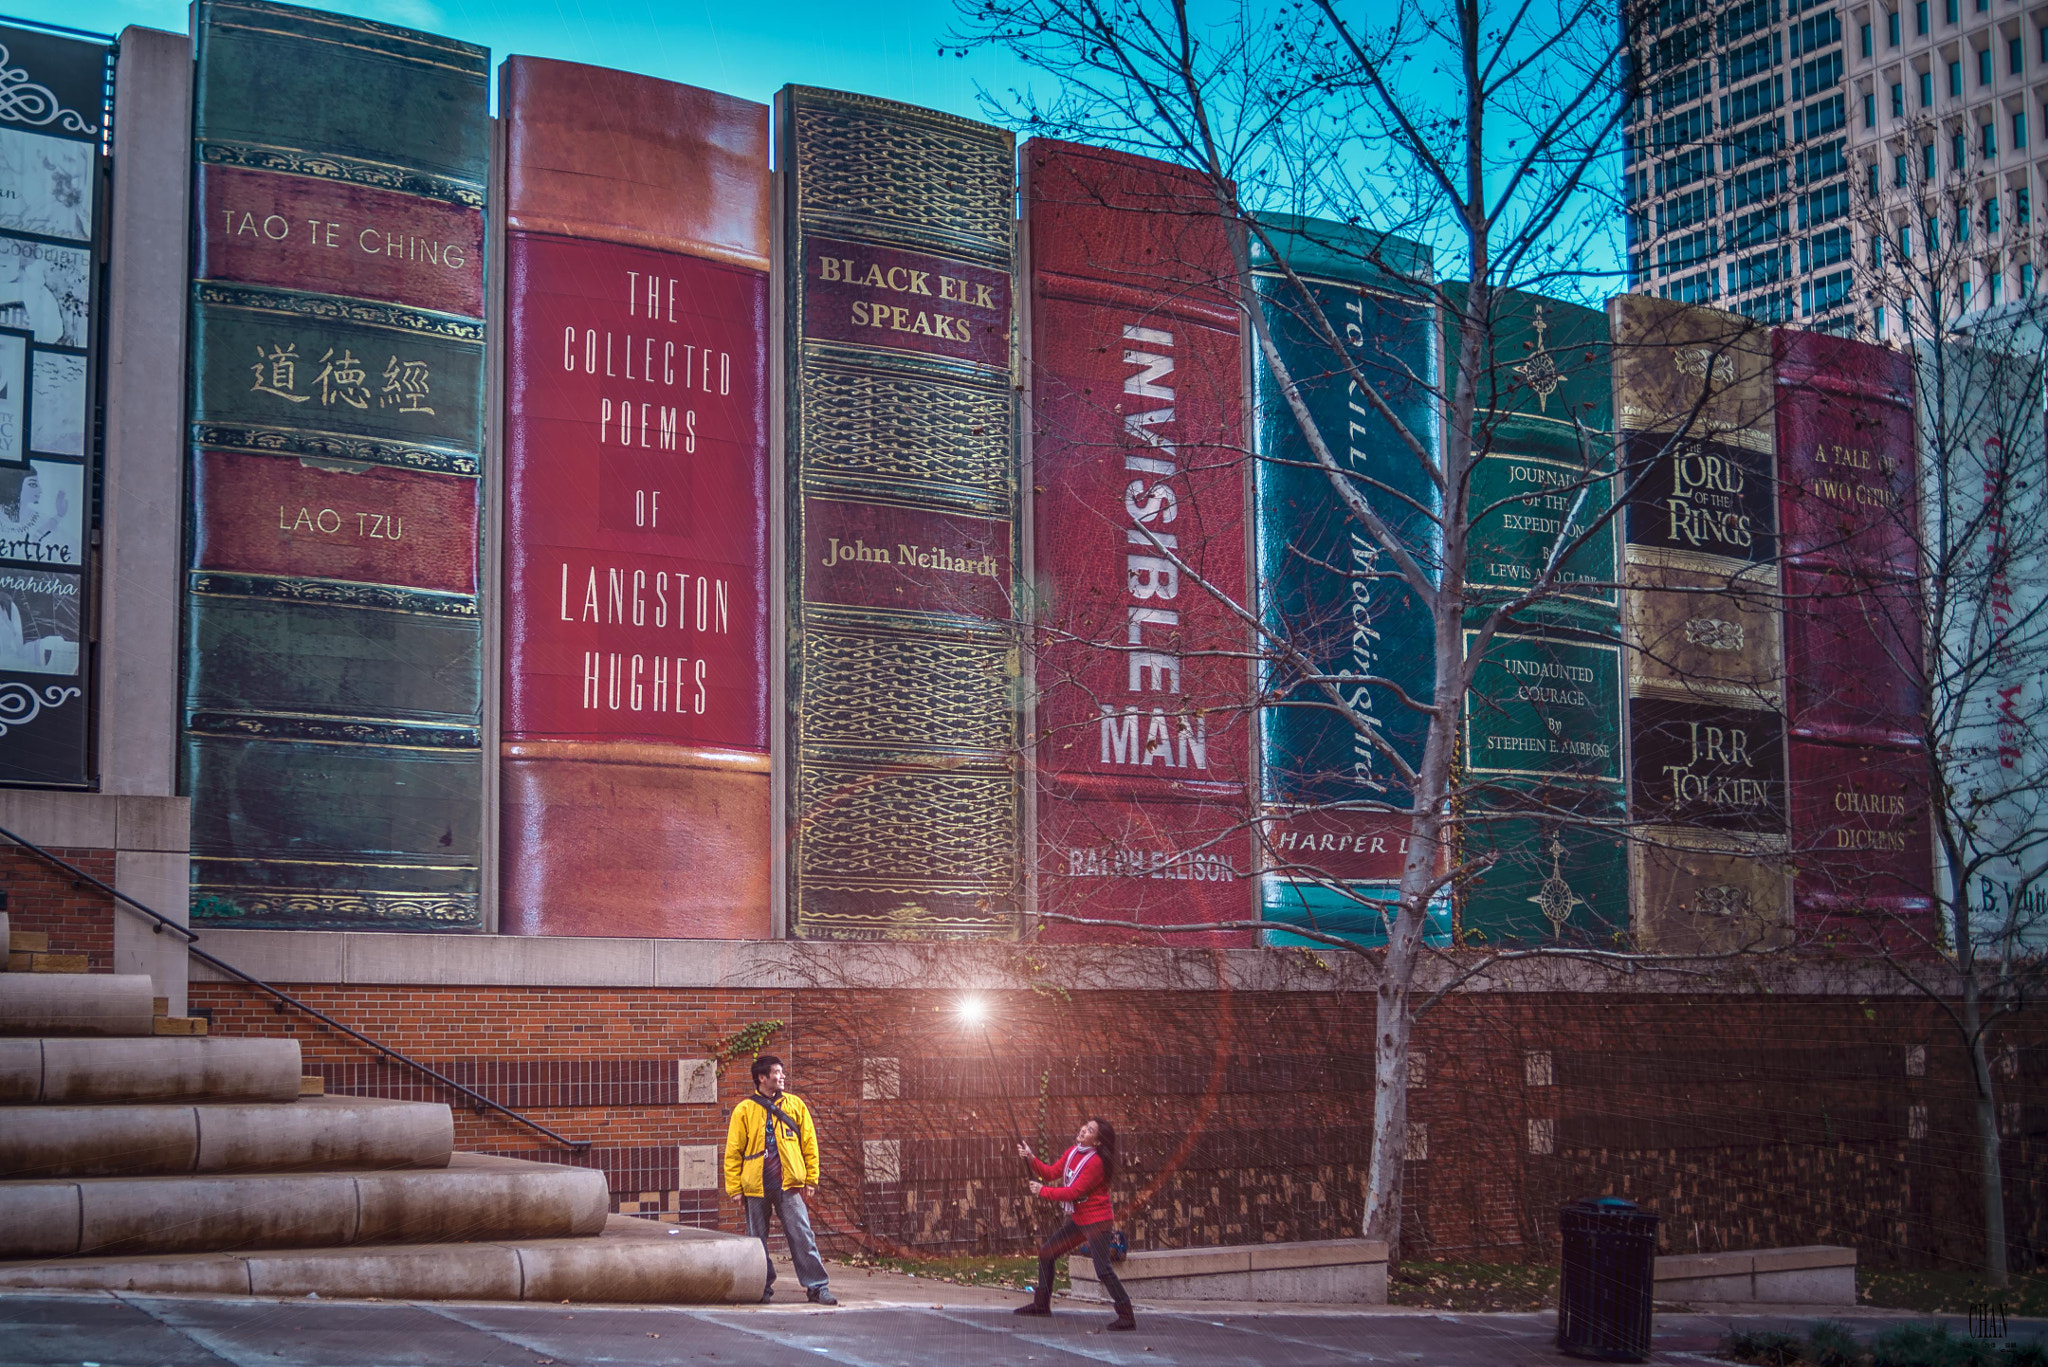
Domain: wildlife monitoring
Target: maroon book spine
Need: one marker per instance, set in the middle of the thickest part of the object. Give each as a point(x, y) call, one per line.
point(635, 748)
point(1139, 477)
point(1856, 757)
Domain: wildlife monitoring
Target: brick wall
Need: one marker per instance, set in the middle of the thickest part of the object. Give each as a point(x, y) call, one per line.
point(40, 896)
point(1745, 1121)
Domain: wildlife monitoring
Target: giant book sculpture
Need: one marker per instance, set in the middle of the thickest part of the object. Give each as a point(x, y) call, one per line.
point(1856, 756)
point(332, 666)
point(1542, 807)
point(1982, 529)
point(1702, 619)
point(1139, 474)
point(51, 237)
point(1333, 833)
point(635, 750)
point(903, 810)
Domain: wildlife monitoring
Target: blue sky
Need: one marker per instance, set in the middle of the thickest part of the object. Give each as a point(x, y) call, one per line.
point(751, 50)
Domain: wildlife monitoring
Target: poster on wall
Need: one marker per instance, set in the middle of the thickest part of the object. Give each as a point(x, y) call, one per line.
point(53, 116)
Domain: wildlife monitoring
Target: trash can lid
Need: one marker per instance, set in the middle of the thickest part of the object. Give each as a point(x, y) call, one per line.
point(1605, 1203)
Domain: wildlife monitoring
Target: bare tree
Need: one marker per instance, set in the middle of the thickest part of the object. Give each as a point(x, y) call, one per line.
point(1473, 140)
point(1951, 283)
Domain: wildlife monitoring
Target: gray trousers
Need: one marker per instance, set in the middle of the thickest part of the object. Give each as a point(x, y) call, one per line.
point(796, 1226)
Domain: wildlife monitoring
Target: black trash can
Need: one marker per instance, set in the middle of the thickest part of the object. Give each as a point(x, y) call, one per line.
point(1605, 1285)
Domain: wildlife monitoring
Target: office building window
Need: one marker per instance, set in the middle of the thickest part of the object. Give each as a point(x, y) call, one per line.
point(1927, 161)
point(1898, 100)
point(2015, 56)
point(1891, 27)
point(2019, 130)
point(1926, 89)
point(1905, 242)
point(1962, 225)
point(1866, 39)
point(1872, 168)
point(1994, 284)
point(2026, 279)
point(1949, 11)
point(1983, 66)
point(1880, 320)
point(1956, 151)
point(2020, 206)
point(1920, 17)
point(1899, 169)
point(1870, 111)
point(1988, 139)
point(1991, 214)
point(1955, 78)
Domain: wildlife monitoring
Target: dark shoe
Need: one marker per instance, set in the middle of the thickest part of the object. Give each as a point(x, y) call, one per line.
point(767, 1294)
point(1034, 1308)
point(823, 1297)
point(1123, 1319)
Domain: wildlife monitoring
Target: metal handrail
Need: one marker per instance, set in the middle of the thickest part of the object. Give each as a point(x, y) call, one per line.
point(481, 1102)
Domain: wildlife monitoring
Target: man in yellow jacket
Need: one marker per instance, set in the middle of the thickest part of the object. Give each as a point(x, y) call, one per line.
point(771, 1164)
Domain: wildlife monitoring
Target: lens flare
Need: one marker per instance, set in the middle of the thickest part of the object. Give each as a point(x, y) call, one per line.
point(973, 1010)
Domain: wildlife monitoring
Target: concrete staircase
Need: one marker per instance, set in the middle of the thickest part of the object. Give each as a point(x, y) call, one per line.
point(136, 1155)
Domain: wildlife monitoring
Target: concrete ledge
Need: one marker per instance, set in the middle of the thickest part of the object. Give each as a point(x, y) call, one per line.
point(1817, 1274)
point(1345, 1271)
point(318, 1132)
point(384, 957)
point(631, 1262)
point(477, 1197)
point(77, 1004)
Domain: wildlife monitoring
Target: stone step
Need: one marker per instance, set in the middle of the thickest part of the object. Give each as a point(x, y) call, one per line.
point(175, 1026)
point(98, 1071)
point(28, 942)
point(476, 1197)
point(77, 1004)
point(631, 1262)
point(129, 1140)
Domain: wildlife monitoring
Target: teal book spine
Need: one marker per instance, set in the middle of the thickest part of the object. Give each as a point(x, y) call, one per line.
point(1333, 828)
point(333, 654)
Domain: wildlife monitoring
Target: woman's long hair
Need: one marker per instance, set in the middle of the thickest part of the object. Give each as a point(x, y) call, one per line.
point(1105, 1147)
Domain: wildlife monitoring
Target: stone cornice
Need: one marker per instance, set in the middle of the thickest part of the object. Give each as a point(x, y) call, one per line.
point(384, 959)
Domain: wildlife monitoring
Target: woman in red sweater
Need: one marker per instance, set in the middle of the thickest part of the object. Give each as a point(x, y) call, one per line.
point(1080, 1183)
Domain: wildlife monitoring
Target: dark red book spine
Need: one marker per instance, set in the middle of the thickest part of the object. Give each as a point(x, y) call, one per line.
point(1139, 478)
point(1856, 751)
point(635, 743)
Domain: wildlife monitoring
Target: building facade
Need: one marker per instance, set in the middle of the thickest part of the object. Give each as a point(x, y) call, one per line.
point(1776, 155)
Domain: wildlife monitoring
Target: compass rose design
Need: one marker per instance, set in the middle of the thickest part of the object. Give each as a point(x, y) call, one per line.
point(1539, 371)
point(1556, 898)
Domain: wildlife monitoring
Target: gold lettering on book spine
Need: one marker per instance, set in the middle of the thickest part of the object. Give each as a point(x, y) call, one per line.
point(905, 813)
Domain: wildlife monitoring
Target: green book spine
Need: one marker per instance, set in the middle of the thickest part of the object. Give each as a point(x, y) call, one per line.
point(902, 513)
point(1541, 807)
point(333, 657)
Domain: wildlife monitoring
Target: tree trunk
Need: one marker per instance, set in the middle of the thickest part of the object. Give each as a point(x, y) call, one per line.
point(1990, 1166)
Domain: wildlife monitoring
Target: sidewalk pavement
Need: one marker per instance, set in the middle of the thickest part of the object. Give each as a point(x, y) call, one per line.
point(885, 1319)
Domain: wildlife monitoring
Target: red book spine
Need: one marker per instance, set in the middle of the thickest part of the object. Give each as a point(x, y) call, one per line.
point(1856, 758)
point(1139, 481)
point(635, 746)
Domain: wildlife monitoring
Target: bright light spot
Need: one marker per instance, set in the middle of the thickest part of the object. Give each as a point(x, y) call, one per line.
point(973, 1010)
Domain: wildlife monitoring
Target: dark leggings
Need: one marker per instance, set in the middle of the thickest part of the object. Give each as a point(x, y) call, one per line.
point(1065, 1240)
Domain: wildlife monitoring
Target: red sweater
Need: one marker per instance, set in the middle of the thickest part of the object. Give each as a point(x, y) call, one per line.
point(1090, 1191)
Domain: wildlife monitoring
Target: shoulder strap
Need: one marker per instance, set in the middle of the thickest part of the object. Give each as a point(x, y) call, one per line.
point(776, 1111)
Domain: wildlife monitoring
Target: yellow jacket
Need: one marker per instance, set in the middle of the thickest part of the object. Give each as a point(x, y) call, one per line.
point(746, 1152)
